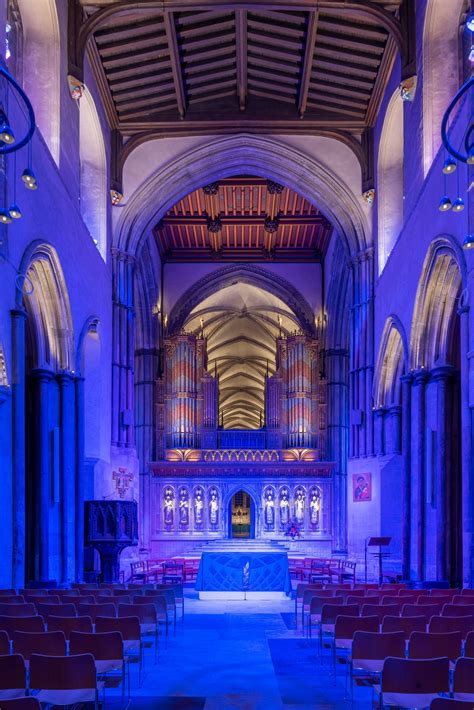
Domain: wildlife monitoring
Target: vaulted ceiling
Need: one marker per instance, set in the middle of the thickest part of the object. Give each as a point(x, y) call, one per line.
point(242, 205)
point(241, 323)
point(193, 67)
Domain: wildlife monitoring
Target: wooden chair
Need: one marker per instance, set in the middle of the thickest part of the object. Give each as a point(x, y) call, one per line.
point(347, 572)
point(161, 605)
point(444, 592)
point(85, 585)
point(46, 610)
point(21, 623)
point(458, 610)
point(446, 624)
point(12, 677)
point(329, 614)
point(429, 645)
point(403, 624)
point(28, 703)
point(17, 610)
point(301, 587)
point(64, 680)
point(138, 571)
point(7, 592)
point(47, 643)
point(369, 651)
point(379, 610)
point(4, 643)
point(450, 704)
point(94, 610)
point(67, 624)
point(129, 627)
point(344, 631)
point(413, 592)
point(107, 649)
point(461, 599)
point(437, 599)
point(414, 683)
point(114, 600)
point(467, 592)
point(313, 602)
point(12, 599)
point(146, 614)
point(433, 609)
point(463, 681)
point(178, 592)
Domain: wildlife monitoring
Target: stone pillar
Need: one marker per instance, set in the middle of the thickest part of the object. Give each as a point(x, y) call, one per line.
point(407, 381)
point(379, 431)
point(18, 448)
point(441, 375)
point(337, 361)
point(418, 494)
point(395, 416)
point(467, 434)
point(42, 380)
point(123, 352)
point(67, 475)
point(80, 478)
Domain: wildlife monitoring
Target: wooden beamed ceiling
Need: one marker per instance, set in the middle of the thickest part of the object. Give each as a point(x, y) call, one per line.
point(243, 203)
point(220, 67)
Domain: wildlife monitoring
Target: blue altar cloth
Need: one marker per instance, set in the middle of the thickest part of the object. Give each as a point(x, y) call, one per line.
point(244, 572)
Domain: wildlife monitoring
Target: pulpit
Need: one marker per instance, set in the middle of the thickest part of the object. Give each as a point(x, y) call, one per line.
point(110, 527)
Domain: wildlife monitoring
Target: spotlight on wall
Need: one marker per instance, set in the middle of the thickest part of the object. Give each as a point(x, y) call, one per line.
point(5, 217)
point(470, 156)
point(458, 204)
point(470, 22)
point(444, 204)
point(468, 243)
point(29, 178)
point(115, 197)
point(449, 166)
point(15, 212)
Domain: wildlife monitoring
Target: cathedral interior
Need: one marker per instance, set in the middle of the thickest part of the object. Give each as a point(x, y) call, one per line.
point(236, 259)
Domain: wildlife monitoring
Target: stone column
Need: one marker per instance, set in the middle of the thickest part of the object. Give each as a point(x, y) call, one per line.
point(337, 361)
point(123, 352)
point(67, 475)
point(42, 380)
point(18, 447)
point(418, 500)
point(467, 424)
point(379, 427)
point(395, 414)
point(80, 478)
point(407, 381)
point(441, 375)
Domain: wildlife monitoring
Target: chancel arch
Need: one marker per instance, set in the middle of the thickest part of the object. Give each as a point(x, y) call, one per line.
point(442, 68)
point(41, 67)
point(390, 180)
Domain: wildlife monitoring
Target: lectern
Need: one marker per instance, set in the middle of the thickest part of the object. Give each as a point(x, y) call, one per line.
point(111, 526)
point(377, 542)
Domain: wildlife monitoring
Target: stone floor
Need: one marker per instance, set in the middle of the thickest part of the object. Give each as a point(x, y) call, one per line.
point(239, 656)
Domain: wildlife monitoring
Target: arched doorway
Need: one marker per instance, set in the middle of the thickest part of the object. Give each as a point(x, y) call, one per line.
point(241, 516)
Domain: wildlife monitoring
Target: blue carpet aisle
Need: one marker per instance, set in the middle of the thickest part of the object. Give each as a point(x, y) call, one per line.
point(239, 656)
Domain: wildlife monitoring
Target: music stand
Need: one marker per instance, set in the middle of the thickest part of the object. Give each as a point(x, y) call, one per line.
point(377, 542)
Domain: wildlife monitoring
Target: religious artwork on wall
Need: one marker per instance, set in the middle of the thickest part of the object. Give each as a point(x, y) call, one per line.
point(314, 508)
point(213, 509)
point(183, 509)
point(198, 508)
point(168, 509)
point(269, 508)
point(123, 477)
point(361, 487)
point(284, 508)
point(299, 505)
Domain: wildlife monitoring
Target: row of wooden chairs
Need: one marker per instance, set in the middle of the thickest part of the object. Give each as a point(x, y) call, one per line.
point(178, 568)
point(322, 569)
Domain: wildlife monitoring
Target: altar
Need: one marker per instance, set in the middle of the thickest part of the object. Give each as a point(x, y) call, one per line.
point(243, 575)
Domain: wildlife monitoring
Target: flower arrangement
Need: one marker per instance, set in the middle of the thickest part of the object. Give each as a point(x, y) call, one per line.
point(293, 530)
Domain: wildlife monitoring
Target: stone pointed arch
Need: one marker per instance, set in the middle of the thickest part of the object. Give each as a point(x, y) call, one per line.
point(248, 274)
point(93, 164)
point(443, 277)
point(391, 364)
point(239, 155)
point(390, 180)
point(441, 69)
point(41, 58)
point(42, 289)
